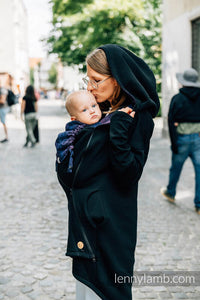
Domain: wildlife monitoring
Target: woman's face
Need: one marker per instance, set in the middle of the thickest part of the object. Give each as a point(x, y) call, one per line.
point(105, 89)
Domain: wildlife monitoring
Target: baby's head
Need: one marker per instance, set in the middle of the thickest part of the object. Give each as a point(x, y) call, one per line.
point(82, 106)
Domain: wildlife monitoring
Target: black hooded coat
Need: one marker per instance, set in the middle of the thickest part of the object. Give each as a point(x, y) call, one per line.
point(184, 107)
point(102, 189)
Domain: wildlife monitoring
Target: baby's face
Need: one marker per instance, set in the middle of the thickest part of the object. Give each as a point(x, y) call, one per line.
point(86, 109)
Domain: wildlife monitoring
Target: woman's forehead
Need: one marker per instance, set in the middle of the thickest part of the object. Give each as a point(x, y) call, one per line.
point(92, 73)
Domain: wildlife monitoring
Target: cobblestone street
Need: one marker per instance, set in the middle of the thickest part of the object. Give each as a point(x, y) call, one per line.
point(33, 218)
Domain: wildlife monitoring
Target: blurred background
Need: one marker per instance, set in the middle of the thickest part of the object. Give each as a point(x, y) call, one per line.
point(45, 43)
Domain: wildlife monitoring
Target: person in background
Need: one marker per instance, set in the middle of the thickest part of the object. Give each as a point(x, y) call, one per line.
point(4, 109)
point(184, 130)
point(37, 95)
point(29, 108)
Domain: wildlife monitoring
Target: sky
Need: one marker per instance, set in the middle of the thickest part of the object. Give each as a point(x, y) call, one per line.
point(39, 18)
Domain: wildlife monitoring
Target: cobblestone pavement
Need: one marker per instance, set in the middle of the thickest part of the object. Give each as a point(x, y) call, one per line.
point(33, 218)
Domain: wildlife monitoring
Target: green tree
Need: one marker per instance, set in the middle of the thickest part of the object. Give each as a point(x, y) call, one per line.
point(32, 76)
point(150, 34)
point(53, 75)
point(82, 25)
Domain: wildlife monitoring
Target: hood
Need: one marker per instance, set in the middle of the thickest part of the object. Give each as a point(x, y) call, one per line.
point(193, 93)
point(134, 77)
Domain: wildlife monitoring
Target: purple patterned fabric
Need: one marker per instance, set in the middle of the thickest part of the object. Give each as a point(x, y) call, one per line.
point(65, 140)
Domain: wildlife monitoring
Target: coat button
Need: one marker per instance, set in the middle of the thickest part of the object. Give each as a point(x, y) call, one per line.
point(80, 245)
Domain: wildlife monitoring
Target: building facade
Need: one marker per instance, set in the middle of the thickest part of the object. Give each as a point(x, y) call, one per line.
point(181, 46)
point(14, 62)
point(67, 78)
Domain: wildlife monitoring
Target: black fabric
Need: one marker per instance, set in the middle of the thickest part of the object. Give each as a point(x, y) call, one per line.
point(184, 107)
point(102, 188)
point(30, 104)
point(134, 77)
point(102, 201)
point(36, 132)
point(11, 98)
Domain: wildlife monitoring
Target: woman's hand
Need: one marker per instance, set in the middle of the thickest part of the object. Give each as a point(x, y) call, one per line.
point(128, 110)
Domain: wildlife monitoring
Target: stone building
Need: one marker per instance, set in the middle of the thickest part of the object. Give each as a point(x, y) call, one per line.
point(14, 64)
point(181, 46)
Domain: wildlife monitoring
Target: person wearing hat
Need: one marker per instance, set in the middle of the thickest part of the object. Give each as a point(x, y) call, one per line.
point(184, 130)
point(107, 165)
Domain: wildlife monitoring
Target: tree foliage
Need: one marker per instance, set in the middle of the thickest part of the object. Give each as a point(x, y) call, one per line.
point(53, 75)
point(82, 25)
point(32, 76)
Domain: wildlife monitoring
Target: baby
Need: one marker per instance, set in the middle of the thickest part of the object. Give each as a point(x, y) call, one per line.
point(82, 107)
point(84, 111)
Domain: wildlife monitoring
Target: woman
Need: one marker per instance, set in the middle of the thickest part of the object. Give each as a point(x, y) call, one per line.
point(108, 163)
point(29, 109)
point(4, 109)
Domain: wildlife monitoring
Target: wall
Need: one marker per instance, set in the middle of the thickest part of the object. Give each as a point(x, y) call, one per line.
point(7, 56)
point(14, 41)
point(177, 46)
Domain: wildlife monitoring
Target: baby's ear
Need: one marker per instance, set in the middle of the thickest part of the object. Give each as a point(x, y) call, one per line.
point(73, 118)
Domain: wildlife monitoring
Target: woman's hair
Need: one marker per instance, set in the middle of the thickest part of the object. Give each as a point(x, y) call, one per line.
point(98, 62)
point(30, 92)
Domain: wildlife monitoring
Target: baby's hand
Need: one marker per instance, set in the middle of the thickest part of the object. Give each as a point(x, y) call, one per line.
point(128, 110)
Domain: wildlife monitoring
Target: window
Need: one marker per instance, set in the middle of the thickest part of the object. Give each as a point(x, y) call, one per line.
point(196, 45)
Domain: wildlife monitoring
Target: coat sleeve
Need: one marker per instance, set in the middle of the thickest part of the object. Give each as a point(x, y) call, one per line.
point(171, 126)
point(129, 145)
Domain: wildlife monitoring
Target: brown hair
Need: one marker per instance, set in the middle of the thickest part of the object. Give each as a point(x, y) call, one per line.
point(98, 62)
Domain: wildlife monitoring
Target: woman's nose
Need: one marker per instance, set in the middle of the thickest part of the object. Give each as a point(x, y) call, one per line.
point(89, 87)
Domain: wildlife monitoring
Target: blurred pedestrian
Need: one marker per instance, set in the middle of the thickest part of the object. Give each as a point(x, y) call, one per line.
point(184, 130)
point(108, 163)
point(37, 95)
point(29, 108)
point(4, 109)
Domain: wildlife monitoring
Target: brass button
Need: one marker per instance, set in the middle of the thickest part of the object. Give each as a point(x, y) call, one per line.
point(80, 245)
